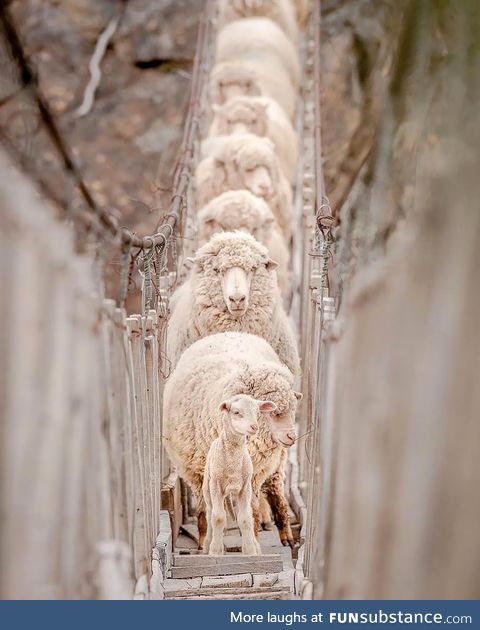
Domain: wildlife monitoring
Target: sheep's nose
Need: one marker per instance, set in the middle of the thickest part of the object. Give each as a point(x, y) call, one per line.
point(238, 300)
point(291, 435)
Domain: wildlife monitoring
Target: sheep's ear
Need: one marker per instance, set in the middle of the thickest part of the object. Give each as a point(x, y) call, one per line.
point(271, 264)
point(225, 406)
point(298, 395)
point(267, 406)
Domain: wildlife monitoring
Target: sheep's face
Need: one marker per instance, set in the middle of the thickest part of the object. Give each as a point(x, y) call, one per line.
point(236, 210)
point(229, 270)
point(267, 383)
point(241, 412)
point(236, 290)
point(230, 81)
point(259, 181)
point(282, 423)
point(240, 116)
point(246, 8)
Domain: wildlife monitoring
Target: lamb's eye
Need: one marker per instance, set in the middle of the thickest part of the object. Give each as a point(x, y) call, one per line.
point(236, 413)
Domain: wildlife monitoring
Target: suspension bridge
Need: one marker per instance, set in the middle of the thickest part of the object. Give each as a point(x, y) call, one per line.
point(91, 505)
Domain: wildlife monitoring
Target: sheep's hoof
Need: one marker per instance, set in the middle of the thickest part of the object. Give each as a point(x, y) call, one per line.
point(288, 542)
point(267, 526)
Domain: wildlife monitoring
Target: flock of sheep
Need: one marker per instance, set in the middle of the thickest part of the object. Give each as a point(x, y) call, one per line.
point(230, 402)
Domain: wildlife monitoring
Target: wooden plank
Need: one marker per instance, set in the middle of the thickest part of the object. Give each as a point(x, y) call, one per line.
point(188, 593)
point(231, 558)
point(266, 595)
point(254, 566)
point(171, 500)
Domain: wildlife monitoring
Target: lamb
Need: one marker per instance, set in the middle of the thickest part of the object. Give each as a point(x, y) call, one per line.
point(232, 287)
point(252, 78)
point(240, 210)
point(258, 39)
point(280, 11)
point(213, 370)
point(228, 473)
point(261, 116)
point(247, 162)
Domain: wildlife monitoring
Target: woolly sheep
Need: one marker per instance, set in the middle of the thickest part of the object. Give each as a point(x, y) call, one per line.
point(261, 116)
point(228, 473)
point(282, 12)
point(210, 371)
point(301, 10)
point(252, 78)
point(232, 287)
point(258, 39)
point(247, 162)
point(240, 210)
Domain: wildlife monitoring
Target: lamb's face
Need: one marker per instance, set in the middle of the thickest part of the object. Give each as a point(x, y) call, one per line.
point(241, 412)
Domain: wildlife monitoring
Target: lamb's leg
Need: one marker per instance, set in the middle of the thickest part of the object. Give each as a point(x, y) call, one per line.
point(208, 505)
point(218, 522)
point(250, 546)
point(274, 491)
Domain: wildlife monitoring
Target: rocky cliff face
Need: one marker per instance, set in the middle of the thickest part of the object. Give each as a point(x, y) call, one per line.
point(127, 143)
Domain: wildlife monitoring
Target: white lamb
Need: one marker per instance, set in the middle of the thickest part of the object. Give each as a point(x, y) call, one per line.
point(232, 287)
point(215, 369)
point(258, 39)
point(252, 78)
point(259, 115)
point(282, 12)
point(247, 162)
point(240, 210)
point(228, 473)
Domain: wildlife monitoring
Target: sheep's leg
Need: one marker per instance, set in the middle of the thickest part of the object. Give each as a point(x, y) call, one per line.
point(218, 522)
point(250, 546)
point(265, 512)
point(274, 491)
point(197, 488)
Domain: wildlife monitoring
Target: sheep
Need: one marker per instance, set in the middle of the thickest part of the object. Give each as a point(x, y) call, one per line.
point(261, 116)
point(210, 371)
point(240, 210)
point(252, 78)
point(232, 287)
point(280, 11)
point(246, 161)
point(228, 473)
point(301, 10)
point(258, 39)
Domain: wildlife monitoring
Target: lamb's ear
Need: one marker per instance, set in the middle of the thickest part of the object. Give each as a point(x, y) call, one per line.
point(271, 264)
point(225, 406)
point(298, 395)
point(266, 406)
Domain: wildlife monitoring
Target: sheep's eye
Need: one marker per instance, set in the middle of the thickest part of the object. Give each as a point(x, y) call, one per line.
point(236, 413)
